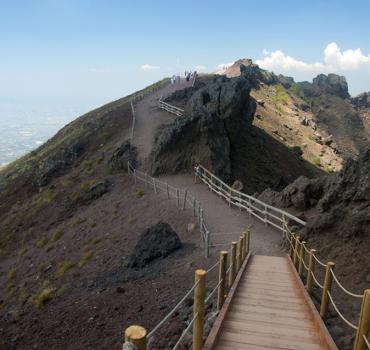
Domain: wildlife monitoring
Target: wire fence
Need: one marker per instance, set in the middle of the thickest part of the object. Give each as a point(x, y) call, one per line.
point(184, 200)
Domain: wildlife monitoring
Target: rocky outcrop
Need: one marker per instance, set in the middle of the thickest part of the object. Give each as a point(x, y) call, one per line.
point(332, 84)
point(341, 200)
point(215, 118)
point(95, 191)
point(157, 241)
point(122, 155)
point(362, 100)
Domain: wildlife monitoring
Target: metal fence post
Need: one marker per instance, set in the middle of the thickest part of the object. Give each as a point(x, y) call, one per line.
point(327, 287)
point(198, 309)
point(311, 270)
point(221, 280)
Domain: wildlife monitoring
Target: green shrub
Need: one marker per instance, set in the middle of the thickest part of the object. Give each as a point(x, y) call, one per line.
point(57, 234)
point(45, 294)
point(87, 184)
point(317, 161)
point(99, 159)
point(64, 267)
point(87, 256)
point(140, 192)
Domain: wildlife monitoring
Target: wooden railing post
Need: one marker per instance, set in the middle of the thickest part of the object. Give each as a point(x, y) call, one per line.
point(301, 257)
point(311, 270)
point(364, 322)
point(185, 195)
point(198, 309)
point(292, 242)
point(244, 245)
point(194, 207)
point(233, 263)
point(295, 253)
point(177, 198)
point(239, 255)
point(137, 336)
point(327, 288)
point(248, 243)
point(265, 215)
point(221, 280)
point(154, 185)
point(168, 192)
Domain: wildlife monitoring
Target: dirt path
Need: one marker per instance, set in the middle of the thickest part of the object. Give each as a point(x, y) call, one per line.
point(224, 223)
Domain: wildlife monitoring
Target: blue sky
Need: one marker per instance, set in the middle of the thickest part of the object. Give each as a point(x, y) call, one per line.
point(91, 52)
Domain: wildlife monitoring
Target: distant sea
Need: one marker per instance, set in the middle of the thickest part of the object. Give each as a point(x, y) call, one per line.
point(24, 127)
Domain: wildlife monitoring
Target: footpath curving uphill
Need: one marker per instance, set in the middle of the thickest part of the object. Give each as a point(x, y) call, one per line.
point(262, 302)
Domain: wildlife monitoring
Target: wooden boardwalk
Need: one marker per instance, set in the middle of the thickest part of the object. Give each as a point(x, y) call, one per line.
point(269, 309)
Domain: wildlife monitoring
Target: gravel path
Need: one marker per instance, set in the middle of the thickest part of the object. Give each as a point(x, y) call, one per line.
point(224, 223)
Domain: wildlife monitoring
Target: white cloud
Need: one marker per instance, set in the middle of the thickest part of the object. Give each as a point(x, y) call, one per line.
point(200, 67)
point(223, 66)
point(148, 67)
point(334, 60)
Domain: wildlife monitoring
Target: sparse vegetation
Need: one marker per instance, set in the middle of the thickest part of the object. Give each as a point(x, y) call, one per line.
point(329, 169)
point(87, 184)
point(140, 193)
point(45, 294)
point(57, 234)
point(64, 267)
point(281, 97)
point(317, 161)
point(41, 242)
point(12, 273)
point(99, 159)
point(87, 256)
point(131, 220)
point(87, 166)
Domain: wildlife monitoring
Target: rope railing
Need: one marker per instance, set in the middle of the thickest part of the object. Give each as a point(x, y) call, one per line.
point(180, 195)
point(297, 250)
point(239, 253)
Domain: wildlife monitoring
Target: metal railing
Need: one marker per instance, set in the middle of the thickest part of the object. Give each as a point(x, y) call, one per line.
point(297, 252)
point(169, 108)
point(184, 200)
point(239, 251)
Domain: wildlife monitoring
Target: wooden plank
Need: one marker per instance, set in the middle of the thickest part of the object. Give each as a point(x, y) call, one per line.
point(271, 340)
point(230, 345)
point(253, 290)
point(268, 328)
point(276, 300)
point(257, 285)
point(272, 304)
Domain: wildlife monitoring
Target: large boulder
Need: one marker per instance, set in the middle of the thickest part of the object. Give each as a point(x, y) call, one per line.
point(362, 100)
point(157, 241)
point(122, 155)
point(333, 84)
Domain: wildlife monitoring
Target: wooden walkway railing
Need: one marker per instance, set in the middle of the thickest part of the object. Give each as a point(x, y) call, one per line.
point(268, 214)
point(171, 109)
point(228, 277)
point(299, 253)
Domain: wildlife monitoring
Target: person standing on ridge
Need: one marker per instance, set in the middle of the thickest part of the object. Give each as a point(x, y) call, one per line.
point(196, 173)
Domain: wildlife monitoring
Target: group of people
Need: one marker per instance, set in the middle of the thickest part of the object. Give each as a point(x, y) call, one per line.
point(190, 75)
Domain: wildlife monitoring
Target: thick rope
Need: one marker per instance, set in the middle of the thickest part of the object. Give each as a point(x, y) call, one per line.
point(344, 289)
point(318, 261)
point(340, 314)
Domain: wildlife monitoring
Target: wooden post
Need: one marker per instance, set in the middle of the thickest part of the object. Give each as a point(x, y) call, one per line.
point(301, 256)
point(248, 243)
point(168, 192)
point(284, 224)
point(244, 245)
point(295, 253)
point(128, 167)
point(177, 198)
point(207, 245)
point(198, 308)
point(239, 255)
point(364, 322)
point(311, 270)
point(137, 336)
point(327, 287)
point(221, 280)
point(199, 213)
point(201, 219)
point(291, 248)
point(265, 215)
point(155, 187)
point(250, 207)
point(233, 263)
point(194, 206)
point(185, 195)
